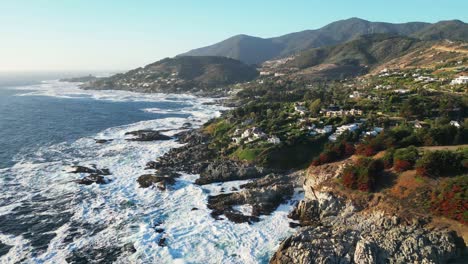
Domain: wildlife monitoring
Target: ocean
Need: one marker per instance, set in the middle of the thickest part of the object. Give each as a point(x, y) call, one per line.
point(45, 217)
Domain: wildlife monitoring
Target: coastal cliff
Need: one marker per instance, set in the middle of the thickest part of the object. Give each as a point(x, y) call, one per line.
point(339, 228)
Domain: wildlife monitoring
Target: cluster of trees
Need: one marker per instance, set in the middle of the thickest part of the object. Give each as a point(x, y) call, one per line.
point(404, 159)
point(442, 163)
point(404, 136)
point(334, 152)
point(451, 199)
point(363, 174)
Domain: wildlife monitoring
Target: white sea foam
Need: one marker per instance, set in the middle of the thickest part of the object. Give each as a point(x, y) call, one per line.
point(127, 213)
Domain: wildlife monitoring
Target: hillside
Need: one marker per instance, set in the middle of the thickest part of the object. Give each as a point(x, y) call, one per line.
point(453, 30)
point(370, 54)
point(254, 50)
point(180, 75)
point(242, 47)
point(352, 58)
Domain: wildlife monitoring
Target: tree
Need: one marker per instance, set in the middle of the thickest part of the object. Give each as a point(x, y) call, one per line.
point(404, 159)
point(314, 107)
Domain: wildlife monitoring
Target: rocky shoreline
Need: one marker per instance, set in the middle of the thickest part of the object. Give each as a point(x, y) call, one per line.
point(333, 227)
point(268, 190)
point(336, 229)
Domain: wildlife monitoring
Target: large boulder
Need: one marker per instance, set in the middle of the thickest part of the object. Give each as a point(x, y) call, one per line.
point(147, 135)
point(263, 196)
point(161, 182)
point(92, 169)
point(222, 170)
point(93, 178)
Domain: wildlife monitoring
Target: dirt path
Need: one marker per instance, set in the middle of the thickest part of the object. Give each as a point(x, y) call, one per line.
point(434, 148)
point(448, 49)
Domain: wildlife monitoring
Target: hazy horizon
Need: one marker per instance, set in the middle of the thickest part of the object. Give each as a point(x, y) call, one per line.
point(89, 36)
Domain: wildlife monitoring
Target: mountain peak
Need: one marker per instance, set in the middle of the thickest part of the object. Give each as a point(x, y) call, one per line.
point(255, 50)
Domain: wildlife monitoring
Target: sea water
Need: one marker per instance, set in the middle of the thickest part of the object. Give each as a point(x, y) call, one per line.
point(45, 217)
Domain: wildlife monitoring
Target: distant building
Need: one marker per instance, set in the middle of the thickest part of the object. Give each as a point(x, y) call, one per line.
point(265, 73)
point(340, 130)
point(455, 123)
point(355, 94)
point(274, 140)
point(300, 109)
point(419, 124)
point(460, 80)
point(340, 113)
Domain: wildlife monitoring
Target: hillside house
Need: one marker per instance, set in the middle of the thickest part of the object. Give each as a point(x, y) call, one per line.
point(299, 108)
point(274, 140)
point(455, 124)
point(460, 80)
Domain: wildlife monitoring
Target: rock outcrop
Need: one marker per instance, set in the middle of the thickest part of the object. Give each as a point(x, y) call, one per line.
point(262, 195)
point(191, 158)
point(338, 230)
point(92, 178)
point(147, 135)
point(222, 170)
point(161, 182)
point(95, 175)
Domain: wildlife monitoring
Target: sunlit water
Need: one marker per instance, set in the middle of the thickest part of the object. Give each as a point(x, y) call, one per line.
point(45, 217)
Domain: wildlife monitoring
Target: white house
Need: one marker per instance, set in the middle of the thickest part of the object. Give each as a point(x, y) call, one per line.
point(454, 123)
point(372, 133)
point(257, 133)
point(300, 109)
point(460, 80)
point(355, 94)
point(340, 130)
point(328, 129)
point(274, 140)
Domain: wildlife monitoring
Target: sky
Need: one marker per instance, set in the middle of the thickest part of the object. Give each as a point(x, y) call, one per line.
point(118, 35)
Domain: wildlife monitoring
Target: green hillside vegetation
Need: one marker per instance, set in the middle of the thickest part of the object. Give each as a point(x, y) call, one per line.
point(453, 30)
point(367, 50)
point(255, 50)
point(181, 74)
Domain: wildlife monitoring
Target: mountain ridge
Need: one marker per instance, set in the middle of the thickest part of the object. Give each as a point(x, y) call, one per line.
point(256, 50)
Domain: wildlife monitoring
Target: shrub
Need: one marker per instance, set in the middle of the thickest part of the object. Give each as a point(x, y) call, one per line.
point(438, 163)
point(334, 152)
point(451, 199)
point(362, 175)
point(404, 159)
point(388, 158)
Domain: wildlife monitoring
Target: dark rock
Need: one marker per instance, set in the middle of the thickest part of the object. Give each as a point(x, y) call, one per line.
point(93, 178)
point(147, 135)
point(234, 189)
point(102, 141)
point(129, 248)
point(222, 170)
point(159, 230)
point(294, 225)
point(307, 212)
point(151, 165)
point(264, 195)
point(161, 182)
point(94, 170)
point(194, 209)
point(186, 126)
point(162, 242)
point(191, 158)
